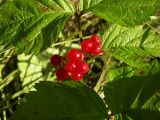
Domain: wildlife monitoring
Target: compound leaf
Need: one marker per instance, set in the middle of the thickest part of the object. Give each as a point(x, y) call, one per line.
point(32, 26)
point(133, 46)
point(126, 12)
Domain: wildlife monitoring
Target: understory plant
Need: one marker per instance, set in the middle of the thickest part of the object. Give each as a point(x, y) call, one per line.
point(79, 60)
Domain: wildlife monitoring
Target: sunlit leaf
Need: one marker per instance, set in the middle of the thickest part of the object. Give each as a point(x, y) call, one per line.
point(32, 26)
point(126, 12)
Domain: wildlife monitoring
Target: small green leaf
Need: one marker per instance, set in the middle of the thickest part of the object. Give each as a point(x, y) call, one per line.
point(57, 101)
point(126, 12)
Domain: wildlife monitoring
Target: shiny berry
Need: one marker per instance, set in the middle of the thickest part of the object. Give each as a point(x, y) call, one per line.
point(74, 55)
point(86, 45)
point(62, 74)
point(96, 50)
point(82, 66)
point(55, 60)
point(76, 75)
point(95, 39)
point(70, 66)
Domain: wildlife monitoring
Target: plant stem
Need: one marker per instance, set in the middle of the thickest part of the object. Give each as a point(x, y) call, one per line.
point(153, 28)
point(98, 85)
point(103, 75)
point(8, 79)
point(79, 27)
point(78, 17)
point(86, 14)
point(68, 41)
point(6, 50)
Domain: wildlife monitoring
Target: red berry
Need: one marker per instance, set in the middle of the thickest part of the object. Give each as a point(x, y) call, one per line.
point(62, 74)
point(96, 50)
point(86, 45)
point(95, 39)
point(74, 55)
point(70, 66)
point(76, 75)
point(82, 66)
point(55, 60)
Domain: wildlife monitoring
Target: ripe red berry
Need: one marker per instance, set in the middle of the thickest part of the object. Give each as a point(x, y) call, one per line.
point(86, 45)
point(62, 74)
point(95, 39)
point(55, 60)
point(70, 66)
point(96, 50)
point(76, 75)
point(82, 66)
point(74, 55)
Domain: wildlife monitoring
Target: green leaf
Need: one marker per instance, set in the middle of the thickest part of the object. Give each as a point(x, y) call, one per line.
point(30, 73)
point(58, 101)
point(131, 45)
point(126, 12)
point(31, 70)
point(137, 98)
point(127, 71)
point(58, 5)
point(151, 68)
point(119, 72)
point(118, 36)
point(32, 26)
point(85, 4)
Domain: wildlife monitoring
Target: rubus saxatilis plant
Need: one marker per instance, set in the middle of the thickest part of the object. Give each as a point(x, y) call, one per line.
point(79, 60)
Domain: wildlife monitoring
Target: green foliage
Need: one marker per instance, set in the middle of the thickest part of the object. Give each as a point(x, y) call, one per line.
point(135, 97)
point(126, 12)
point(30, 73)
point(131, 45)
point(120, 72)
point(57, 101)
point(127, 71)
point(31, 26)
point(85, 4)
point(131, 54)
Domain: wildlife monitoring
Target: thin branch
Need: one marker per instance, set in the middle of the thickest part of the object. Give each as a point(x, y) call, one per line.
point(78, 17)
point(68, 41)
point(8, 79)
point(153, 28)
point(10, 54)
point(103, 75)
point(86, 14)
point(6, 50)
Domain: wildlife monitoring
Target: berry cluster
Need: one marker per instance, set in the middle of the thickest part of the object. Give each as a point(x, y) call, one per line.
point(75, 66)
point(92, 45)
